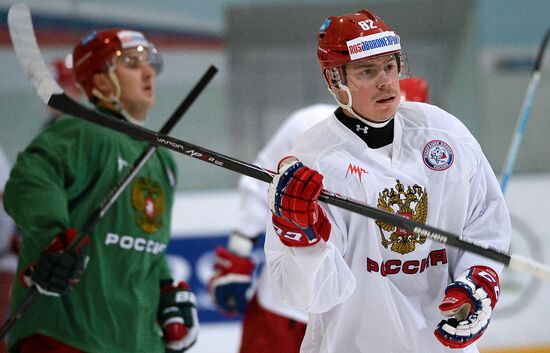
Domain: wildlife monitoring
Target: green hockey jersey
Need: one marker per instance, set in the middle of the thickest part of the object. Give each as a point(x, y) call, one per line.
point(58, 182)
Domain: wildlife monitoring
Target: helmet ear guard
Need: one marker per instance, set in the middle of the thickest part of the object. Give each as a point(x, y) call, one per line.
point(335, 79)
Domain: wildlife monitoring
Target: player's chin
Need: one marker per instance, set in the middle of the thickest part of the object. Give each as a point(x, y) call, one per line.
point(148, 103)
point(386, 111)
point(149, 98)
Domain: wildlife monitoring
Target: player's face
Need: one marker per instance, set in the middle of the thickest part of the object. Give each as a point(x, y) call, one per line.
point(374, 87)
point(136, 77)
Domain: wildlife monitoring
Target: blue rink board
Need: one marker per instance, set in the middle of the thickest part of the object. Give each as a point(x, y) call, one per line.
point(191, 259)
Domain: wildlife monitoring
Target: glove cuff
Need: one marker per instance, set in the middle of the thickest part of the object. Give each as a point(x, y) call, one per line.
point(486, 278)
point(292, 235)
point(286, 162)
point(240, 245)
point(228, 262)
point(180, 294)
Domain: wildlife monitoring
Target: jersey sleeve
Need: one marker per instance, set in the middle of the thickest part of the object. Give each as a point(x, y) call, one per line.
point(488, 219)
point(253, 207)
point(172, 174)
point(253, 193)
point(7, 227)
point(45, 178)
point(165, 273)
point(313, 278)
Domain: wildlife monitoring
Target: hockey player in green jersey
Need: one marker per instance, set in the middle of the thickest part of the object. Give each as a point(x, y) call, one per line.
point(115, 293)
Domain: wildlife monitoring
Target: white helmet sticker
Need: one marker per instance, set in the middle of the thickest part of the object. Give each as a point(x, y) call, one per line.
point(374, 44)
point(132, 39)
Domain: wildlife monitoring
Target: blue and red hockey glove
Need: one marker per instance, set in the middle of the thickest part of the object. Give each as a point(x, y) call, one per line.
point(232, 279)
point(297, 217)
point(469, 301)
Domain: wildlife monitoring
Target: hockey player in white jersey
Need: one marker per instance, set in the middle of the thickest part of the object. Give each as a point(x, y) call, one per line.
point(8, 258)
point(369, 286)
point(270, 325)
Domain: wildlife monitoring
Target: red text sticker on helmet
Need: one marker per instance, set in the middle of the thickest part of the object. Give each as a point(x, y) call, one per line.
point(373, 45)
point(132, 39)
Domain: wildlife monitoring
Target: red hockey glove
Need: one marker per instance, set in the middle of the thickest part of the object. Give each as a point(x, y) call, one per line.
point(58, 270)
point(298, 219)
point(231, 281)
point(177, 316)
point(469, 302)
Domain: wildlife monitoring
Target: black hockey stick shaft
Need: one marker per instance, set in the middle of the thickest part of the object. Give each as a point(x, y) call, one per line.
point(64, 103)
point(513, 151)
point(48, 90)
point(67, 105)
point(116, 191)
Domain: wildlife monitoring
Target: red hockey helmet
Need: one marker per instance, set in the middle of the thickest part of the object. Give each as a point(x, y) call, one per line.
point(95, 53)
point(414, 89)
point(343, 39)
point(62, 69)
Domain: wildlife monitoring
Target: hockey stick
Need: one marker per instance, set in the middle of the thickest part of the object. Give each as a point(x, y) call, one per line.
point(58, 100)
point(15, 20)
point(513, 151)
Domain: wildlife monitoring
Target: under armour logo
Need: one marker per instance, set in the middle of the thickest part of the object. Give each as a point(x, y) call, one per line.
point(358, 128)
point(121, 163)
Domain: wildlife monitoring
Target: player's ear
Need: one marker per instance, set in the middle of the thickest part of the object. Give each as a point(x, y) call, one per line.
point(103, 83)
point(329, 79)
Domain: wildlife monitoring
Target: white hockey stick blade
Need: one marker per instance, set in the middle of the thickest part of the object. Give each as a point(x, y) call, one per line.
point(525, 265)
point(28, 53)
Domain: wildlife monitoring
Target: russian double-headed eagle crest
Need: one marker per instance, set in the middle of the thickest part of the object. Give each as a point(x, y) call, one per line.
point(148, 202)
point(410, 202)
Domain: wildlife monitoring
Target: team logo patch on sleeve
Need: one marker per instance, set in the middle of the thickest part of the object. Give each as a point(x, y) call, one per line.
point(438, 155)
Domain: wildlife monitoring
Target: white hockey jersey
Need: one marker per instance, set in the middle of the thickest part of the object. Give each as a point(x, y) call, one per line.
point(8, 260)
point(374, 288)
point(253, 194)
